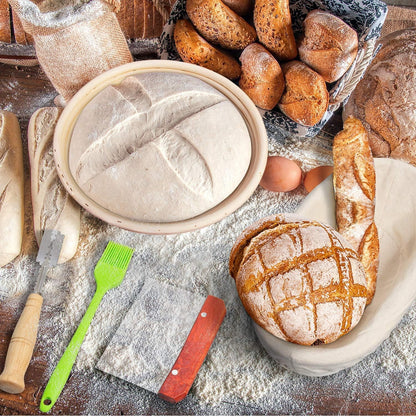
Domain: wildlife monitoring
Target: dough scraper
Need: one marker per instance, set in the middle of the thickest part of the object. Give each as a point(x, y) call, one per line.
point(163, 339)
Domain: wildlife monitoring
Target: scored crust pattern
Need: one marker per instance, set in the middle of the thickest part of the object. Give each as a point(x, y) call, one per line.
point(281, 290)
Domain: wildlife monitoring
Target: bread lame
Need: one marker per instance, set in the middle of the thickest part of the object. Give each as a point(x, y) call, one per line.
point(24, 335)
point(163, 339)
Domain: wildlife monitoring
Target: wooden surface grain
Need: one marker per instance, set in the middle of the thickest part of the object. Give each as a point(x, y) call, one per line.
point(22, 91)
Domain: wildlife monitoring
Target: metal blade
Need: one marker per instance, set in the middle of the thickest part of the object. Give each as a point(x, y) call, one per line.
point(50, 248)
point(152, 334)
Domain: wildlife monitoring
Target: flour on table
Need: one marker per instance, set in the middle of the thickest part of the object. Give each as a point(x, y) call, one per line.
point(237, 371)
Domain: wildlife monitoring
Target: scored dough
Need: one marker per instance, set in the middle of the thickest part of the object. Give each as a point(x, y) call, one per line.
point(53, 208)
point(11, 188)
point(159, 147)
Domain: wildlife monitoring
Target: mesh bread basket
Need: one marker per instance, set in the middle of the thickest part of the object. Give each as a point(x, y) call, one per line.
point(365, 16)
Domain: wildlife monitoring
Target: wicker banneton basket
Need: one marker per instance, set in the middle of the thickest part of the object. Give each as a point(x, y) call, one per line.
point(365, 16)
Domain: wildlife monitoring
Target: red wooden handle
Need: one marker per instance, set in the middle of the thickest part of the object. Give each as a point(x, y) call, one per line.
point(183, 373)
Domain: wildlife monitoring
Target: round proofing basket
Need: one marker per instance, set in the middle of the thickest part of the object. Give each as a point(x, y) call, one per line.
point(254, 122)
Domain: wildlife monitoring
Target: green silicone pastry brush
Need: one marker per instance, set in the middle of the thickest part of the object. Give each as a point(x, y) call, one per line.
point(109, 273)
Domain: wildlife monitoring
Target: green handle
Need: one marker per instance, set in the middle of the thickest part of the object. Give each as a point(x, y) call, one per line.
point(61, 373)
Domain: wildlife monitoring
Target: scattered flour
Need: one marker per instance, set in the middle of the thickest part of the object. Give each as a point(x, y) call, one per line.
point(237, 377)
point(237, 372)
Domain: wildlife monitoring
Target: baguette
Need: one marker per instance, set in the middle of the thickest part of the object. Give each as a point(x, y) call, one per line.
point(273, 24)
point(261, 78)
point(11, 188)
point(218, 24)
point(354, 184)
point(53, 208)
point(194, 49)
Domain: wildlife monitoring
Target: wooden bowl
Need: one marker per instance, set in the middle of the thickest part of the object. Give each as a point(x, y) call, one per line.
point(250, 114)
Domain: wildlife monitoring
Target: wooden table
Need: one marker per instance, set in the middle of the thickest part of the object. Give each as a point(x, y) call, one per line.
point(22, 91)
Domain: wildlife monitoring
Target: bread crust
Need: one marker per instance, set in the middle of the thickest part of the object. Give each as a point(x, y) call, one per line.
point(218, 24)
point(273, 24)
point(53, 208)
point(194, 49)
point(11, 188)
point(385, 99)
point(305, 99)
point(300, 280)
point(241, 7)
point(355, 188)
point(329, 46)
point(5, 30)
point(261, 76)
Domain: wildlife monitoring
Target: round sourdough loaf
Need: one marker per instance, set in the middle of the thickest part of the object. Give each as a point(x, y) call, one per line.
point(159, 147)
point(300, 280)
point(385, 99)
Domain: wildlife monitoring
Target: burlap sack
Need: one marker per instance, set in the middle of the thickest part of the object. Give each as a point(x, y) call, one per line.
point(76, 43)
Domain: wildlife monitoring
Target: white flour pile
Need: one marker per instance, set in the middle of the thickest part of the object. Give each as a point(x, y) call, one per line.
point(237, 373)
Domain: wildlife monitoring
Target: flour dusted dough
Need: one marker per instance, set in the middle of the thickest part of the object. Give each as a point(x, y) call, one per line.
point(11, 188)
point(53, 208)
point(159, 147)
point(300, 280)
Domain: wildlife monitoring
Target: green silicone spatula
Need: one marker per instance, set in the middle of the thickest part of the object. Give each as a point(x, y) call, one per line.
point(109, 273)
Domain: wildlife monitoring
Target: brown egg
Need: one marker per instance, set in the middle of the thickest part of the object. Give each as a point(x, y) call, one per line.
point(315, 176)
point(281, 175)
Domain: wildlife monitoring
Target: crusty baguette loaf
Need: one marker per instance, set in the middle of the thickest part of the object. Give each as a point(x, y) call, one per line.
point(298, 279)
point(329, 46)
point(273, 24)
point(11, 188)
point(194, 49)
point(218, 24)
point(306, 97)
point(53, 208)
point(241, 7)
point(354, 184)
point(5, 30)
point(261, 77)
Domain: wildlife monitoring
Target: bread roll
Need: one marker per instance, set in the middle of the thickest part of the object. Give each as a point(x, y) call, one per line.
point(53, 208)
point(159, 147)
point(329, 46)
point(273, 24)
point(5, 30)
point(300, 280)
point(194, 49)
point(306, 97)
point(355, 190)
point(11, 188)
point(241, 7)
point(218, 24)
point(261, 78)
point(385, 99)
